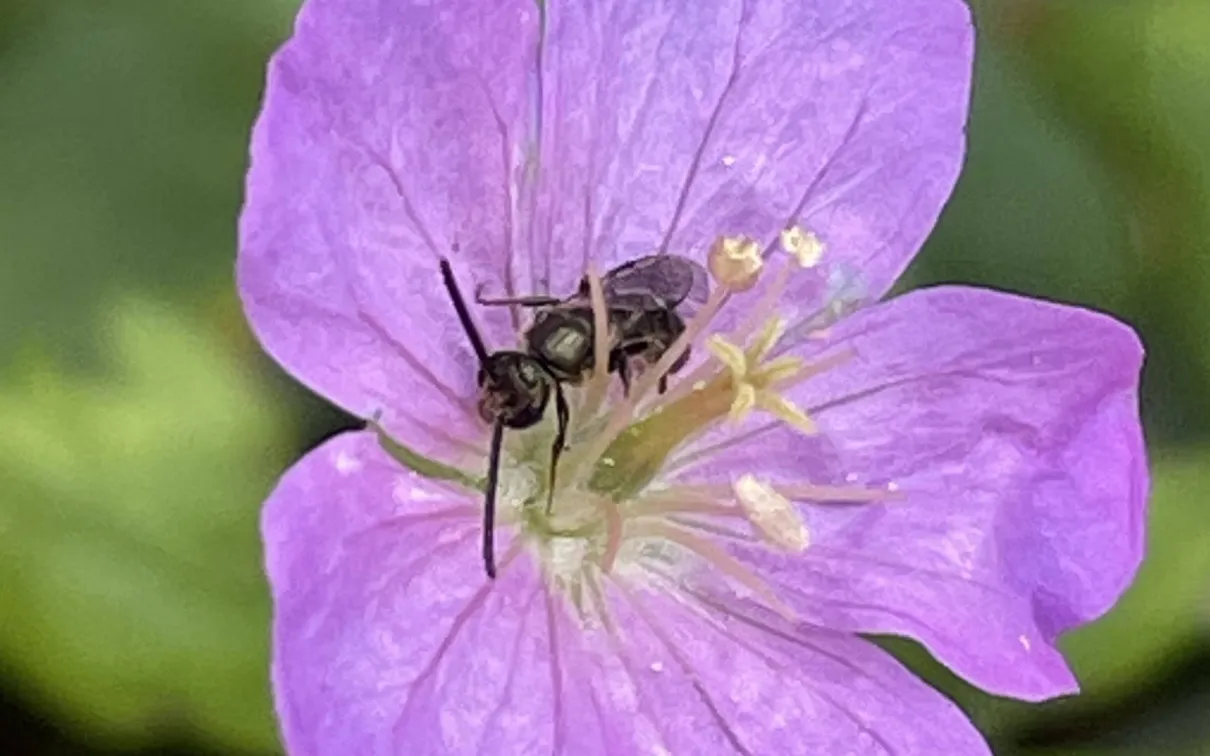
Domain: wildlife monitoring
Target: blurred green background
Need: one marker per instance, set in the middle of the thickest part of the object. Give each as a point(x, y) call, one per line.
point(140, 427)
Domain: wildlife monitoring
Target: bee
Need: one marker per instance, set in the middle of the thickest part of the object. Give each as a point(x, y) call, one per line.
point(514, 390)
point(642, 298)
point(515, 387)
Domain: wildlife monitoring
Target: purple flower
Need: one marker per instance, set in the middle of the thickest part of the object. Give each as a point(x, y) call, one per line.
point(956, 465)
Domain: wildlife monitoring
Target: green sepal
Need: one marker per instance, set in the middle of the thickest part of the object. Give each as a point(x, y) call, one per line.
point(422, 465)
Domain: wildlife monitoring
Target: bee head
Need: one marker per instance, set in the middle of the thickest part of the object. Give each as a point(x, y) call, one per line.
point(514, 389)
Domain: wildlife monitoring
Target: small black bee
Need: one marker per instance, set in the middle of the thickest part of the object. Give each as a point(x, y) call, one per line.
point(514, 390)
point(641, 298)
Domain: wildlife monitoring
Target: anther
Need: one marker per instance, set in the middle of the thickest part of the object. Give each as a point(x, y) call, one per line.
point(735, 262)
point(803, 245)
point(772, 514)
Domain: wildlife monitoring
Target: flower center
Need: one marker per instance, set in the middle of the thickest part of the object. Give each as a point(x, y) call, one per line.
point(611, 510)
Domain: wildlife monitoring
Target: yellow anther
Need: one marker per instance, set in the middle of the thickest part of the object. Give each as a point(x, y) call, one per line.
point(772, 514)
point(755, 383)
point(735, 262)
point(803, 245)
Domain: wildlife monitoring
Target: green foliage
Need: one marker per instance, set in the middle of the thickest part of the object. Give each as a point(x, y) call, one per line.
point(1033, 212)
point(134, 599)
point(1128, 79)
point(123, 144)
point(1166, 610)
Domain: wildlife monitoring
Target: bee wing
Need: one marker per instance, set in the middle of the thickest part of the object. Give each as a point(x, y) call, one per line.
point(699, 288)
point(669, 278)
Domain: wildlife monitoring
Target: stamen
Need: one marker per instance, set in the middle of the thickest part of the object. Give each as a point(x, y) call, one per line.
point(803, 245)
point(735, 262)
point(598, 384)
point(713, 528)
point(600, 607)
point(622, 416)
point(768, 303)
point(810, 369)
point(816, 494)
point(772, 514)
point(718, 557)
point(613, 537)
point(718, 297)
point(774, 329)
point(697, 378)
point(638, 448)
point(684, 500)
point(641, 450)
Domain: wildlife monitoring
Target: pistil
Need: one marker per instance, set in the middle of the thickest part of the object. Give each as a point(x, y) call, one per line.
point(621, 417)
point(635, 455)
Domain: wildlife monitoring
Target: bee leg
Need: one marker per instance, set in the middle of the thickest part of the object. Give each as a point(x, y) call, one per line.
point(534, 301)
point(556, 447)
point(622, 366)
point(489, 502)
point(676, 366)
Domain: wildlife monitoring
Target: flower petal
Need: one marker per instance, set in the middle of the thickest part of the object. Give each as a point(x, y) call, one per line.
point(725, 677)
point(388, 637)
point(1009, 428)
point(387, 137)
point(389, 640)
point(668, 122)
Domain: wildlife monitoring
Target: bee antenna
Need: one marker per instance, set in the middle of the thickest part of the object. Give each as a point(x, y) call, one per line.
point(489, 501)
point(468, 325)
